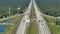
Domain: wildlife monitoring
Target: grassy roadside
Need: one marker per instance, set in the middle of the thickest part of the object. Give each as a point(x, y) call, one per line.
point(12, 28)
point(51, 21)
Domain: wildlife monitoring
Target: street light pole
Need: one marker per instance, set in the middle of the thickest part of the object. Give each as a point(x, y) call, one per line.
point(18, 10)
point(52, 11)
point(9, 11)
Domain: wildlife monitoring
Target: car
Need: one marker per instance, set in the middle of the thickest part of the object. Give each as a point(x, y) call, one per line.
point(40, 20)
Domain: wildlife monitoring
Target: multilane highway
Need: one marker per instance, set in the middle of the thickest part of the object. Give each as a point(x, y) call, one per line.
point(42, 25)
point(22, 26)
point(43, 28)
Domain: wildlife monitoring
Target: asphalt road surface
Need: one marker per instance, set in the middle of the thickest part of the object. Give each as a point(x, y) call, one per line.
point(43, 28)
point(22, 26)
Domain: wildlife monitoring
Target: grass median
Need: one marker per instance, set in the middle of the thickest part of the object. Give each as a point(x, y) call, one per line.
point(33, 29)
point(33, 15)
